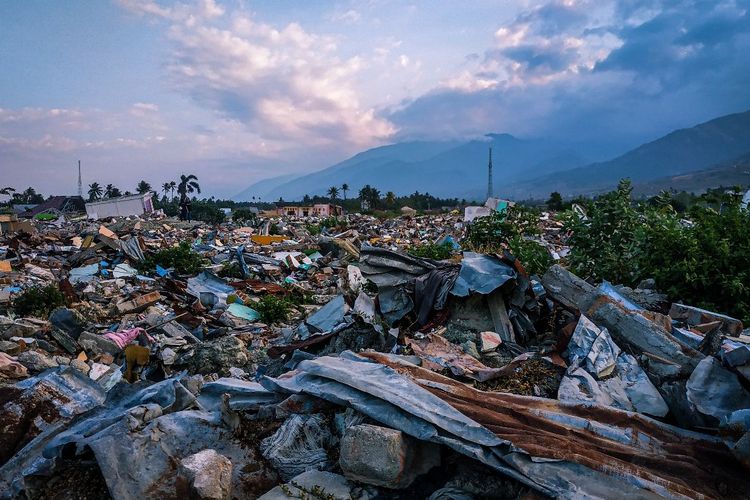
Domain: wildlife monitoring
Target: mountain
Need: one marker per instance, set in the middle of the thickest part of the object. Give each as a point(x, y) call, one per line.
point(262, 187)
point(728, 174)
point(447, 169)
point(680, 152)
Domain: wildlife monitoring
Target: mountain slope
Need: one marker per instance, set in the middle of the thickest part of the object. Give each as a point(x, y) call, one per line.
point(441, 168)
point(680, 152)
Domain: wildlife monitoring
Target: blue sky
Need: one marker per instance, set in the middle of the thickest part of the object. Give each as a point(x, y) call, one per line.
point(236, 91)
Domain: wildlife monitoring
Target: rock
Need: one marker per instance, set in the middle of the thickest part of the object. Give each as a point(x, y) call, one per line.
point(235, 372)
point(10, 368)
point(36, 361)
point(168, 356)
point(97, 370)
point(385, 457)
point(489, 341)
point(81, 366)
point(209, 475)
point(9, 347)
point(470, 348)
point(313, 484)
point(61, 360)
point(94, 342)
point(218, 356)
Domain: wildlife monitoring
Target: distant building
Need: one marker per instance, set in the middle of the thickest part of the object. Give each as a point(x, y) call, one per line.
point(317, 210)
point(123, 206)
point(746, 200)
point(57, 205)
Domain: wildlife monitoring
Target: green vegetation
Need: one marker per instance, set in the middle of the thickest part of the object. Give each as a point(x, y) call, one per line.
point(38, 301)
point(206, 212)
point(510, 230)
point(703, 262)
point(181, 257)
point(432, 251)
point(243, 215)
point(273, 309)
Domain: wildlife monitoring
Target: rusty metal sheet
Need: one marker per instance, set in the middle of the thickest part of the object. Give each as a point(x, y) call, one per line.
point(614, 442)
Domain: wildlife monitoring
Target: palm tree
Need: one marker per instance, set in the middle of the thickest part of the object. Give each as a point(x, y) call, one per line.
point(95, 191)
point(390, 198)
point(165, 189)
point(188, 184)
point(143, 187)
point(333, 192)
point(111, 191)
point(344, 189)
point(7, 190)
point(173, 186)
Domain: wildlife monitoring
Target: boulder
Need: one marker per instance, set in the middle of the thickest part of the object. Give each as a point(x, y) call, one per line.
point(208, 474)
point(385, 457)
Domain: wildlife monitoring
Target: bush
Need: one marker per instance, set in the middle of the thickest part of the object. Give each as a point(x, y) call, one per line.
point(206, 212)
point(510, 230)
point(182, 258)
point(432, 251)
point(38, 301)
point(705, 263)
point(243, 215)
point(272, 309)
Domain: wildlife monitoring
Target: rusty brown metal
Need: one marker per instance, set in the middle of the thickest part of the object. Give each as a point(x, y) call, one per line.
point(685, 463)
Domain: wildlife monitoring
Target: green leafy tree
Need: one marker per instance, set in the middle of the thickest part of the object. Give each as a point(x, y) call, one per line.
point(555, 201)
point(390, 198)
point(112, 191)
point(143, 187)
point(95, 191)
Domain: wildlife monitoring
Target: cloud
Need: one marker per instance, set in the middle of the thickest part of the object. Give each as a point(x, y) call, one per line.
point(282, 83)
point(350, 16)
point(599, 71)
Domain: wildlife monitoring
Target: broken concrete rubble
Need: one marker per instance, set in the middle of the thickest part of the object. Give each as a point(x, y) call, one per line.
point(353, 369)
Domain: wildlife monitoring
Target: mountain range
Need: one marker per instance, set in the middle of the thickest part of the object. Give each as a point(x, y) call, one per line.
point(522, 168)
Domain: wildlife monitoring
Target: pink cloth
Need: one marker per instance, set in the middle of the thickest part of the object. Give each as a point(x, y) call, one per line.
point(125, 337)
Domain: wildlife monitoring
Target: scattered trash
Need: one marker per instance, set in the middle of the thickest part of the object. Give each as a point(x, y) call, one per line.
point(161, 358)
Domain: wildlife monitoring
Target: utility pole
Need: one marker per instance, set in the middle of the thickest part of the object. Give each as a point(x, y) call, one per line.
point(80, 185)
point(489, 176)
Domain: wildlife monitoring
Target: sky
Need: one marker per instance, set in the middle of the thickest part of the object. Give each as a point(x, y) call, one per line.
point(237, 91)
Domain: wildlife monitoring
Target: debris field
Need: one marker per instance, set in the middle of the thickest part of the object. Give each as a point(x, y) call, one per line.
point(147, 357)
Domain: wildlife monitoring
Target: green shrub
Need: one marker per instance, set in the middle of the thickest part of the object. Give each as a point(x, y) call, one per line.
point(510, 230)
point(705, 263)
point(38, 301)
point(181, 257)
point(243, 215)
point(272, 309)
point(432, 251)
point(206, 212)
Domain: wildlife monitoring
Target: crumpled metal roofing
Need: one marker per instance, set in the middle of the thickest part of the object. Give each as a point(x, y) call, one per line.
point(564, 450)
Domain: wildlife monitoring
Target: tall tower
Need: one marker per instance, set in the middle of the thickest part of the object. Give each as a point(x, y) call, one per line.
point(80, 185)
point(489, 176)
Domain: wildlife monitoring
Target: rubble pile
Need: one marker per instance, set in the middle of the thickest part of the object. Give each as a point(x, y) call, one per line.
point(309, 358)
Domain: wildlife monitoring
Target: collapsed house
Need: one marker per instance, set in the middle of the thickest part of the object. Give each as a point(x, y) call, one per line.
point(391, 374)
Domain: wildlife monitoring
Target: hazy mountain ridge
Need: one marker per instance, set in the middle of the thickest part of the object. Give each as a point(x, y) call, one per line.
point(522, 168)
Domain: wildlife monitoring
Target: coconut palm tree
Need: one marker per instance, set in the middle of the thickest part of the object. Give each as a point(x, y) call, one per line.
point(165, 189)
point(111, 191)
point(344, 189)
point(173, 186)
point(95, 191)
point(188, 184)
point(333, 192)
point(7, 191)
point(143, 187)
point(390, 198)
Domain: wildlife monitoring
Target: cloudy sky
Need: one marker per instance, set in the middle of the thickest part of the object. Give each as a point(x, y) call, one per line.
point(238, 90)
